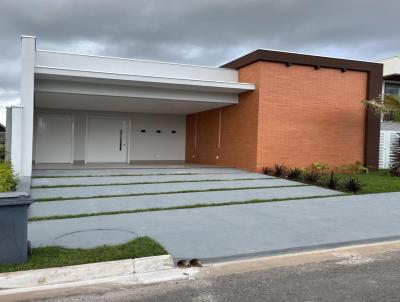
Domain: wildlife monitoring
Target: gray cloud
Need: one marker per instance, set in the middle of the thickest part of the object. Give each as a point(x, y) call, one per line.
point(207, 32)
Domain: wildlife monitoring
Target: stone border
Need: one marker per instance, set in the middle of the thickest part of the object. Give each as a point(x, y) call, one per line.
point(84, 272)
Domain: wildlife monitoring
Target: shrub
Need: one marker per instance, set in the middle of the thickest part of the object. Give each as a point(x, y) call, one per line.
point(319, 167)
point(352, 184)
point(356, 168)
point(280, 170)
point(333, 181)
point(268, 171)
point(312, 177)
point(2, 151)
point(8, 180)
point(394, 168)
point(294, 173)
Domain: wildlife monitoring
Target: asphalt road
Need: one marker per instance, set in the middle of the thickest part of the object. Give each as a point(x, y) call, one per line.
point(349, 278)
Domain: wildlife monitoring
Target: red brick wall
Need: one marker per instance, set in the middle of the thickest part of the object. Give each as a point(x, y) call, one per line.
point(309, 115)
point(238, 130)
point(297, 115)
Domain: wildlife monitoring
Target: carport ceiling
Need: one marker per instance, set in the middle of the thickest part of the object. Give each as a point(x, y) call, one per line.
point(119, 104)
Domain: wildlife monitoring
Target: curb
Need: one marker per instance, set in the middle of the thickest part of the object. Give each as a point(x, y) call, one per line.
point(85, 272)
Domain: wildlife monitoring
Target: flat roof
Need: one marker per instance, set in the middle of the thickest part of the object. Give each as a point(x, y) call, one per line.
point(302, 59)
point(392, 77)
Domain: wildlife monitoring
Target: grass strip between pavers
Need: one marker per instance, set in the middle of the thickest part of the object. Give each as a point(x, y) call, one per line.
point(53, 256)
point(112, 175)
point(162, 193)
point(197, 205)
point(145, 183)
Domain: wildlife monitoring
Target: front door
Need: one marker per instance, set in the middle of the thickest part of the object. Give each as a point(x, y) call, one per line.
point(107, 140)
point(54, 138)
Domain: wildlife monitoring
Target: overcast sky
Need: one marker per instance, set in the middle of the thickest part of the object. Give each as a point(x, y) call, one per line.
point(206, 32)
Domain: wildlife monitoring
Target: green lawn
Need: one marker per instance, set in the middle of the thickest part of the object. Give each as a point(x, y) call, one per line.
point(375, 182)
point(46, 257)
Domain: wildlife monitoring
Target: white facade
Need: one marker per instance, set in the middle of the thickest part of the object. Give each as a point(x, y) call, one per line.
point(391, 65)
point(147, 137)
point(80, 108)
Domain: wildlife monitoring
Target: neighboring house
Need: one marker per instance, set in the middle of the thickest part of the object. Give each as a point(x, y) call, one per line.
point(391, 75)
point(389, 130)
point(264, 108)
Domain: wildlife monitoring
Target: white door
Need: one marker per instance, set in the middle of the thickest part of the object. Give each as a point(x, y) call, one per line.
point(54, 139)
point(107, 140)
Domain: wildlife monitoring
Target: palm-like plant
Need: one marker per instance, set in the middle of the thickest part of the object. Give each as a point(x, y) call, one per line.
point(386, 105)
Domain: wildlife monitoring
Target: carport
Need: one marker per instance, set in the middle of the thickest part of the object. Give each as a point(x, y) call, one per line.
point(80, 109)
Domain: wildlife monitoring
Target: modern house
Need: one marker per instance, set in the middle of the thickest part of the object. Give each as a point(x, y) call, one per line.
point(263, 108)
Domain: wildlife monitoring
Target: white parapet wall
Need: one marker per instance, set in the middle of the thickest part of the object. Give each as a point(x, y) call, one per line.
point(68, 61)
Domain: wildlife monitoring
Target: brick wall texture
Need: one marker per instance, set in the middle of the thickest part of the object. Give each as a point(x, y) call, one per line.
point(297, 115)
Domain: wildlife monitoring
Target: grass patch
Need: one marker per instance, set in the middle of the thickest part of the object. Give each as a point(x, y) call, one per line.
point(197, 205)
point(160, 193)
point(142, 183)
point(112, 175)
point(375, 182)
point(46, 257)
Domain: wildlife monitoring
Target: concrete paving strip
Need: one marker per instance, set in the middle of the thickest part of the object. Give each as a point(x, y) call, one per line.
point(134, 171)
point(217, 233)
point(98, 205)
point(141, 179)
point(113, 190)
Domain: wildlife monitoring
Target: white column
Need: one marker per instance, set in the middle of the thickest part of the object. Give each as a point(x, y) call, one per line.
point(28, 53)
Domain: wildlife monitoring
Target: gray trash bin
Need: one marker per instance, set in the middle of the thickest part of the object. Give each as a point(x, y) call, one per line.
point(13, 229)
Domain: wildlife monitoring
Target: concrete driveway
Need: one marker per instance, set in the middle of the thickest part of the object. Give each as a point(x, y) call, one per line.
point(218, 232)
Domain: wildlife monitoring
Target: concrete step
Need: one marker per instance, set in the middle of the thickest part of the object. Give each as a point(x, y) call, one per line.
point(131, 171)
point(106, 180)
point(98, 205)
point(112, 190)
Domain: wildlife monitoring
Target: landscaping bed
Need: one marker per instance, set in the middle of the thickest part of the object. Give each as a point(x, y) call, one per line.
point(374, 182)
point(47, 257)
point(356, 178)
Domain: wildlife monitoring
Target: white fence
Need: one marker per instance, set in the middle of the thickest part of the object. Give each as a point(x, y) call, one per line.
point(387, 143)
